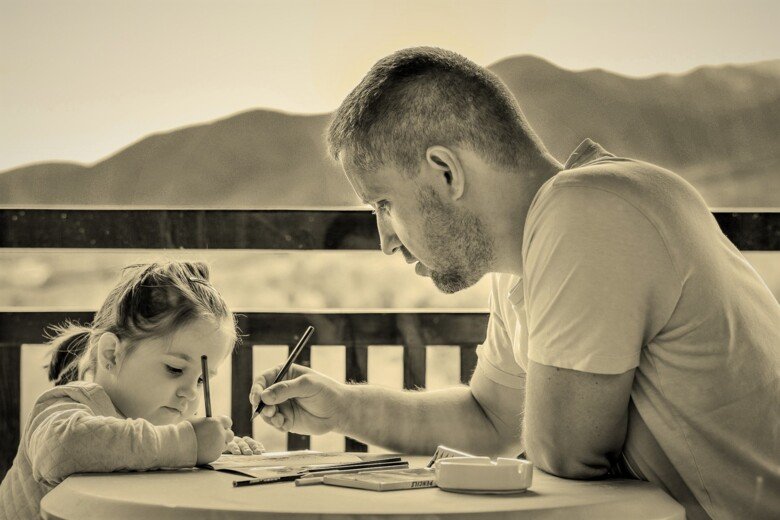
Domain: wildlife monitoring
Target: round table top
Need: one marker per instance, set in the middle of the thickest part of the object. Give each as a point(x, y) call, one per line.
point(199, 493)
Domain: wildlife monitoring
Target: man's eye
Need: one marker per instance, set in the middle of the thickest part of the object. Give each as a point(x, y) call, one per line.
point(381, 207)
point(200, 380)
point(174, 370)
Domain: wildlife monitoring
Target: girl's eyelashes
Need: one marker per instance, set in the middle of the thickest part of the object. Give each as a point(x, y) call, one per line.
point(174, 370)
point(178, 371)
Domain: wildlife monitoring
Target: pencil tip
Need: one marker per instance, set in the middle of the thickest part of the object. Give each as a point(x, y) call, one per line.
point(254, 414)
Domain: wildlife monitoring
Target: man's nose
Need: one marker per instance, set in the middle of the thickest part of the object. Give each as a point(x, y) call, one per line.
point(388, 240)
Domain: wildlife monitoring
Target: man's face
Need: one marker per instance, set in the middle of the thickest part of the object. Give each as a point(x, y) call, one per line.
point(449, 244)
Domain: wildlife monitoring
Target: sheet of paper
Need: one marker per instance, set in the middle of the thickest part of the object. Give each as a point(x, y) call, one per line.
point(280, 463)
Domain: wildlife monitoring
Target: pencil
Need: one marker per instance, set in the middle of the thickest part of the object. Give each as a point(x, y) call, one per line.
point(204, 367)
point(283, 372)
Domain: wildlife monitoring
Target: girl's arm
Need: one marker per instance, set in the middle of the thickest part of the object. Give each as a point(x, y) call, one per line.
point(67, 437)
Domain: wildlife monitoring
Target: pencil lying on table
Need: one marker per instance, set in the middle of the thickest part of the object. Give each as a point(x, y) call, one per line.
point(318, 478)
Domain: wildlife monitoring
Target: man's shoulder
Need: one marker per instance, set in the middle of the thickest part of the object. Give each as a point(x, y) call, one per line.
point(651, 189)
point(628, 178)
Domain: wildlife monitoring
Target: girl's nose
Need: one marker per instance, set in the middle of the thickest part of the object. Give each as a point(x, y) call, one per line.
point(188, 391)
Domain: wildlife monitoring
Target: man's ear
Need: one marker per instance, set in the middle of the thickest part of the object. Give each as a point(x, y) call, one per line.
point(445, 163)
point(108, 351)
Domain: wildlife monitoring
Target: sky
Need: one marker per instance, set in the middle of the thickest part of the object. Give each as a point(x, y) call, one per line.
point(81, 79)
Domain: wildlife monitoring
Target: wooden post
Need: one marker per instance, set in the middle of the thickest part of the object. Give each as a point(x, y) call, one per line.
point(296, 441)
point(10, 389)
point(411, 333)
point(468, 361)
point(356, 372)
point(241, 382)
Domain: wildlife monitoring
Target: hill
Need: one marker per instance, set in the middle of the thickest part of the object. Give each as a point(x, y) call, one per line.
point(715, 126)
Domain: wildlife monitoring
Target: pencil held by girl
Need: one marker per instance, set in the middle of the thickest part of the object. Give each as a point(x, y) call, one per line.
point(129, 386)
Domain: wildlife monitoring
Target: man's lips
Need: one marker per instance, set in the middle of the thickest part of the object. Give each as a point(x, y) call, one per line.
point(421, 269)
point(172, 409)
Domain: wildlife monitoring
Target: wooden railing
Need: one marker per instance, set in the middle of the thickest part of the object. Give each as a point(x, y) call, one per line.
point(69, 228)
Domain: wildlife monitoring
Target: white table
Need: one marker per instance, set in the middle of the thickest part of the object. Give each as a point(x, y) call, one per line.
point(196, 494)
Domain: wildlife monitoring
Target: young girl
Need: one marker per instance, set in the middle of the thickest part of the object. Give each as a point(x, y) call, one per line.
point(128, 387)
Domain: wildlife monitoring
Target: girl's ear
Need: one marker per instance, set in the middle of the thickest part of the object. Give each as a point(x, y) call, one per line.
point(108, 351)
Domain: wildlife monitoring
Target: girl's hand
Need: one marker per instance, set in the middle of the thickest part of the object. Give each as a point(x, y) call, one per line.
point(244, 446)
point(212, 434)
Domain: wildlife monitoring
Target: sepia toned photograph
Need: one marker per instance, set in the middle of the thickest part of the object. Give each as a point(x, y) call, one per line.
point(359, 259)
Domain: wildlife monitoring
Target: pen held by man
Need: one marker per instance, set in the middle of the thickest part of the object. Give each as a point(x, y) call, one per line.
point(286, 367)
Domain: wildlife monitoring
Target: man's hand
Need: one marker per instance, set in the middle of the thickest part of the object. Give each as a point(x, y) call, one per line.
point(212, 434)
point(307, 402)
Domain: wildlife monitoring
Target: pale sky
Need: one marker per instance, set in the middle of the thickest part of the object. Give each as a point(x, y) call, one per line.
point(81, 79)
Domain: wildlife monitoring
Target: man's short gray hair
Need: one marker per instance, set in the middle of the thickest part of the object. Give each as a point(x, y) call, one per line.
point(424, 96)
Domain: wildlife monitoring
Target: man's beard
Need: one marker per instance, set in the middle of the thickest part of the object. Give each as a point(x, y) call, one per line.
point(458, 240)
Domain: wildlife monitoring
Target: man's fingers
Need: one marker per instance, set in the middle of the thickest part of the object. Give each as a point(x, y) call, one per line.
point(303, 386)
point(225, 421)
point(267, 377)
point(254, 394)
point(282, 418)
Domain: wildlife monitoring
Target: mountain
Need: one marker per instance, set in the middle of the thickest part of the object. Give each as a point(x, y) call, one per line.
point(716, 126)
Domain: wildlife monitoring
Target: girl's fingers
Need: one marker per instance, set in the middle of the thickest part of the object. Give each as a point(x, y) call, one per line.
point(254, 446)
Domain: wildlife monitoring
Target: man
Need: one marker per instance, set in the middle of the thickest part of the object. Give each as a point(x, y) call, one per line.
point(627, 335)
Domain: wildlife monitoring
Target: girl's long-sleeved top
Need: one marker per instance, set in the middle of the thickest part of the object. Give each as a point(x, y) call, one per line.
point(75, 428)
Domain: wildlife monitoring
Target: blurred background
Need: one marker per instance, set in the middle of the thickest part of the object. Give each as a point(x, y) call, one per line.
point(205, 104)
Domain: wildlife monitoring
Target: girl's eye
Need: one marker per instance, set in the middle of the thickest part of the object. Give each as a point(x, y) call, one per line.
point(174, 370)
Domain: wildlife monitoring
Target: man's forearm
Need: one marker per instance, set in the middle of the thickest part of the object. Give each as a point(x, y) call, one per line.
point(417, 422)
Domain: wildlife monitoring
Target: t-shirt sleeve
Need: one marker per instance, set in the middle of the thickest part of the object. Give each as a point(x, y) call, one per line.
point(599, 281)
point(495, 356)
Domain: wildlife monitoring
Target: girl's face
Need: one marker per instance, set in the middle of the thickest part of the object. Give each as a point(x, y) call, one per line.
point(160, 379)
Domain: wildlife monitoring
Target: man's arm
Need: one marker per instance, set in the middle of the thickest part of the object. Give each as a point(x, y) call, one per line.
point(483, 418)
point(575, 421)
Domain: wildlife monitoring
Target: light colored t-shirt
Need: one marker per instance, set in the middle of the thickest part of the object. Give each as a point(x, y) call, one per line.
point(625, 267)
point(75, 428)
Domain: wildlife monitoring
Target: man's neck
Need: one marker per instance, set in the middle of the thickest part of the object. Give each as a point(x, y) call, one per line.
point(509, 225)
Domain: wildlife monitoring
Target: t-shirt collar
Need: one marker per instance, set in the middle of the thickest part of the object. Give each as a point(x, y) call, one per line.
point(586, 152)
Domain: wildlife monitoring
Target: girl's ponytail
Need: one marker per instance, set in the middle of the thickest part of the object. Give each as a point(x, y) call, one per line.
point(68, 344)
point(150, 300)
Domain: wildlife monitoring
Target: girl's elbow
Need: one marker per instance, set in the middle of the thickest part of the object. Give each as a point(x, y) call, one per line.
point(53, 462)
point(51, 467)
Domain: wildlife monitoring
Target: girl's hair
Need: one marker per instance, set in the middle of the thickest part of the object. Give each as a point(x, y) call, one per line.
point(150, 300)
